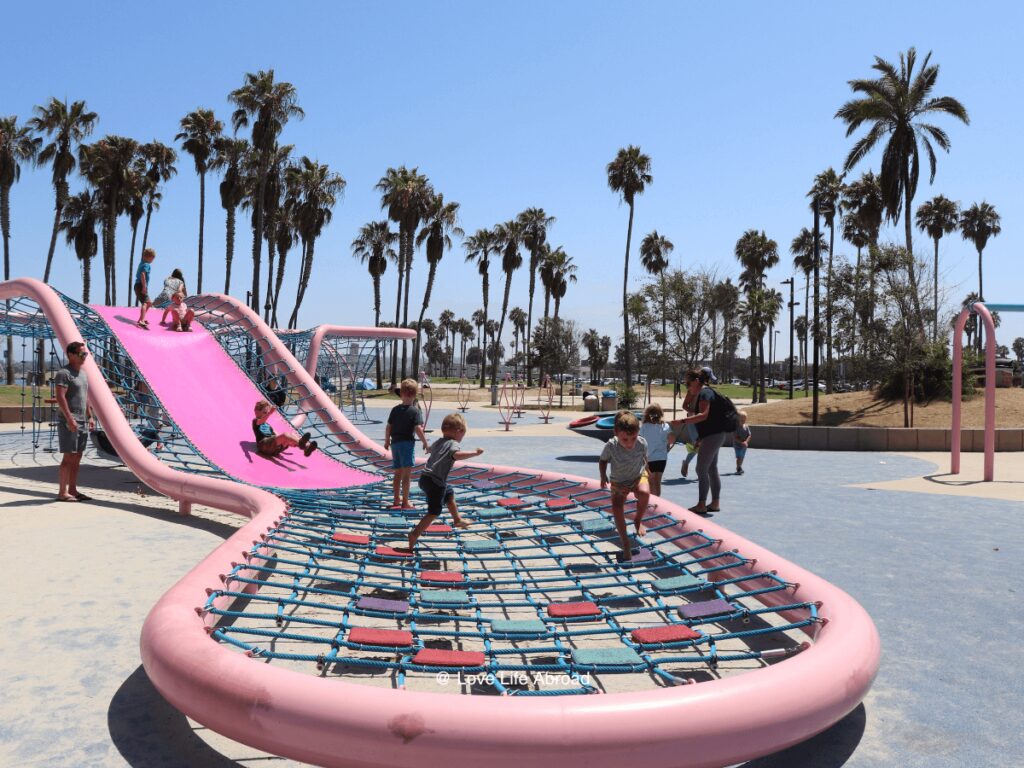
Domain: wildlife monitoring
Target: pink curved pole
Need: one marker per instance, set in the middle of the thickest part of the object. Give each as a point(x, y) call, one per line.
point(332, 722)
point(990, 388)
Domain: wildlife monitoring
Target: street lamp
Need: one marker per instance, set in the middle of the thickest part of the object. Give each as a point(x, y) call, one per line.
point(776, 352)
point(792, 304)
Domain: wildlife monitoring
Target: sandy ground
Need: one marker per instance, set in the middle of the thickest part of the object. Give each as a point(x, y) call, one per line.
point(1007, 484)
point(861, 409)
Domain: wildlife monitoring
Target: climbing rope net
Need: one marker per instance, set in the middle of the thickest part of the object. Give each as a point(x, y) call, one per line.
point(527, 601)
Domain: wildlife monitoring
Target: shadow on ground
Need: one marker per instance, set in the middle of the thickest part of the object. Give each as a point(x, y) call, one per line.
point(150, 733)
point(829, 749)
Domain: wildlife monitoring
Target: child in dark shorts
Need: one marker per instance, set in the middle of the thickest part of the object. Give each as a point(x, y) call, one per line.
point(405, 424)
point(142, 286)
point(268, 442)
point(434, 480)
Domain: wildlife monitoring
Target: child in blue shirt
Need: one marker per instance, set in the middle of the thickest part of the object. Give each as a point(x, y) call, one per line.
point(142, 286)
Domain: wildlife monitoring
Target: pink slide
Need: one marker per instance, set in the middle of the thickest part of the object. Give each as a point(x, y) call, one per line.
point(211, 399)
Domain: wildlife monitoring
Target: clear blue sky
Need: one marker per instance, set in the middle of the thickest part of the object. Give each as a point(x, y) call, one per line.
point(510, 105)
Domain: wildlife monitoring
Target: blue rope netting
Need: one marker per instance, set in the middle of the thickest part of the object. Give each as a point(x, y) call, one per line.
point(530, 594)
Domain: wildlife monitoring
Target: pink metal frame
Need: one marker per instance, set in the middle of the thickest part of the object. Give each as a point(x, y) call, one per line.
point(982, 312)
point(334, 722)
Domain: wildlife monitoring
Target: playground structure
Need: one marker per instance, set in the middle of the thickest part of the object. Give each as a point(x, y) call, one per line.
point(730, 651)
point(462, 394)
point(545, 399)
point(984, 314)
point(506, 403)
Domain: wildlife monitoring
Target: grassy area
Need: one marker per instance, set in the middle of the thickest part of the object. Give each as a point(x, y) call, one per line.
point(11, 395)
point(745, 394)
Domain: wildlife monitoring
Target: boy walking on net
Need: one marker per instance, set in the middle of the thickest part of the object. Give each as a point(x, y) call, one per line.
point(626, 453)
point(405, 425)
point(434, 480)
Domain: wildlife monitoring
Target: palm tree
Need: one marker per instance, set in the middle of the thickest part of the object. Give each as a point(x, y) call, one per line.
point(802, 249)
point(81, 214)
point(446, 325)
point(108, 166)
point(159, 162)
point(136, 189)
point(465, 329)
point(404, 193)
point(865, 207)
point(68, 126)
point(563, 272)
point(372, 247)
point(977, 224)
point(628, 175)
point(534, 224)
point(17, 146)
point(440, 223)
point(938, 216)
point(231, 155)
point(759, 309)
point(270, 105)
point(200, 131)
point(478, 247)
point(318, 190)
point(478, 322)
point(827, 190)
point(285, 237)
point(757, 253)
point(509, 236)
point(654, 253)
point(894, 105)
point(280, 201)
point(724, 298)
point(519, 320)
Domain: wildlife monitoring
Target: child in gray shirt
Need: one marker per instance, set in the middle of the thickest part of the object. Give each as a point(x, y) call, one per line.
point(626, 453)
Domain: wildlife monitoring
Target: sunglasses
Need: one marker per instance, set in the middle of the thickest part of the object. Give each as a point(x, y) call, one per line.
point(82, 354)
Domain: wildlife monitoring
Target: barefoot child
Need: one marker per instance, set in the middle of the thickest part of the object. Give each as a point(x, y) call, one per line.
point(659, 437)
point(434, 480)
point(268, 442)
point(626, 452)
point(405, 425)
point(142, 286)
point(183, 316)
point(741, 440)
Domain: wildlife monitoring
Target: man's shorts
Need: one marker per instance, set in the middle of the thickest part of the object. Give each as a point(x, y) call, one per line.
point(403, 454)
point(436, 494)
point(72, 442)
point(741, 450)
point(141, 295)
point(624, 489)
point(657, 466)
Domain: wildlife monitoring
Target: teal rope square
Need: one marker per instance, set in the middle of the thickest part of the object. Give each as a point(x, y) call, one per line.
point(606, 656)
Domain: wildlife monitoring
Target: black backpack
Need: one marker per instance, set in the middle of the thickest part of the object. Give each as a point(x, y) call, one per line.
point(722, 416)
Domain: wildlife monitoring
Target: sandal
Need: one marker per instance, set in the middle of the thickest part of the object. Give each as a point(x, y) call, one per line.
point(83, 497)
point(66, 498)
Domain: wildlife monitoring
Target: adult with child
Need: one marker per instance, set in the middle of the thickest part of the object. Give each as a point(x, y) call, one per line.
point(712, 420)
point(434, 478)
point(271, 444)
point(72, 389)
point(141, 286)
point(659, 437)
point(173, 295)
point(405, 426)
point(626, 455)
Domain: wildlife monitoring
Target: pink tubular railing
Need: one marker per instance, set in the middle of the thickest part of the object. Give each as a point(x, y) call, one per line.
point(981, 311)
point(333, 722)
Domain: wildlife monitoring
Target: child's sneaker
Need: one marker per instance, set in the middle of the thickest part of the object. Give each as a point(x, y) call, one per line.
point(739, 470)
point(304, 440)
point(310, 447)
point(685, 469)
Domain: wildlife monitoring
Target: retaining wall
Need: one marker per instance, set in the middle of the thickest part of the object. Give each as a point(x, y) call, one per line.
point(878, 439)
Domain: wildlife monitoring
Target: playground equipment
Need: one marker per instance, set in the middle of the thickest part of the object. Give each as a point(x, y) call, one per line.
point(506, 403)
point(545, 398)
point(728, 651)
point(462, 395)
point(426, 397)
point(984, 313)
point(519, 398)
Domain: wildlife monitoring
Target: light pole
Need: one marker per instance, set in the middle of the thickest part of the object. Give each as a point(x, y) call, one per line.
point(815, 329)
point(790, 282)
point(776, 349)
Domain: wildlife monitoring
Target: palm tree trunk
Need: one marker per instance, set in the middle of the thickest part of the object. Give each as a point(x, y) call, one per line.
point(307, 270)
point(60, 196)
point(828, 309)
point(86, 279)
point(753, 366)
point(625, 296)
point(131, 260)
point(268, 301)
point(229, 250)
point(483, 374)
point(282, 258)
point(664, 326)
point(409, 252)
point(202, 217)
point(501, 328)
point(911, 264)
point(110, 230)
point(761, 398)
point(527, 339)
point(257, 239)
point(419, 322)
point(981, 297)
point(853, 315)
point(5, 221)
point(807, 327)
point(376, 324)
point(398, 305)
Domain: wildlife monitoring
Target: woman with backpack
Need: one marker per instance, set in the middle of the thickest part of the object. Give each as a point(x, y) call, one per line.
point(715, 417)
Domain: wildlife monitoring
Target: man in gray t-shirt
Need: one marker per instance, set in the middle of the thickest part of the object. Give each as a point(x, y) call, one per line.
point(72, 389)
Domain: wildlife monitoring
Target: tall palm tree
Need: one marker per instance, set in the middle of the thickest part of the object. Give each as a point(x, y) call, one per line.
point(269, 105)
point(478, 247)
point(865, 206)
point(977, 224)
point(445, 325)
point(628, 175)
point(896, 105)
point(136, 190)
point(231, 156)
point(17, 146)
point(159, 162)
point(757, 253)
point(654, 252)
point(546, 270)
point(440, 223)
point(68, 125)
point(81, 214)
point(285, 237)
point(938, 216)
point(827, 190)
point(509, 237)
point(802, 249)
point(280, 200)
point(318, 191)
point(519, 320)
point(478, 322)
point(404, 193)
point(563, 272)
point(534, 225)
point(373, 246)
point(464, 328)
point(200, 130)
point(108, 165)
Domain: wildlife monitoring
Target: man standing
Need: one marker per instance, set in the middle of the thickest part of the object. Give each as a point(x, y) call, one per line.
point(73, 428)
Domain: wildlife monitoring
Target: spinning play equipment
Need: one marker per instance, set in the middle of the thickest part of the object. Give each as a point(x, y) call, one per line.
point(309, 634)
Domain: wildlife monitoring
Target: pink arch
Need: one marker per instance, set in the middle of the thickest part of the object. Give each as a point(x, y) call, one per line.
point(981, 311)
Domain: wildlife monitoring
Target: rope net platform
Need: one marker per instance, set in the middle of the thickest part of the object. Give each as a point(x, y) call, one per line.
point(312, 634)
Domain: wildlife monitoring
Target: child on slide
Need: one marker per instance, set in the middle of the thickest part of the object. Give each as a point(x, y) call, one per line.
point(142, 286)
point(268, 442)
point(182, 314)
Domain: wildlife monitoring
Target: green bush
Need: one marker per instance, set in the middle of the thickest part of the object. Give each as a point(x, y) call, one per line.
point(933, 376)
point(627, 396)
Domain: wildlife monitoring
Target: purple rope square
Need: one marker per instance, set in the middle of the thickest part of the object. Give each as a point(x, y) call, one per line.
point(706, 608)
point(380, 604)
